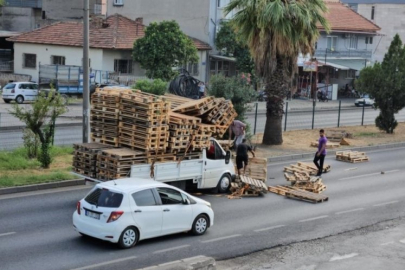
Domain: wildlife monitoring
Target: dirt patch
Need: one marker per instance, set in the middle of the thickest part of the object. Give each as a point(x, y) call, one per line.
point(299, 141)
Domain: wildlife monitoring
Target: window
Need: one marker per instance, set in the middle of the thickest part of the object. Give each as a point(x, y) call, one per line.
point(144, 198)
point(372, 12)
point(353, 42)
point(351, 73)
point(10, 86)
point(219, 3)
point(123, 66)
point(43, 15)
point(331, 43)
point(170, 196)
point(370, 40)
point(118, 2)
point(58, 60)
point(30, 60)
point(104, 198)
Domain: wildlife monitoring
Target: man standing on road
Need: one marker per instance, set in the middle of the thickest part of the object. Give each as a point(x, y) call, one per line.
point(321, 153)
point(238, 128)
point(242, 157)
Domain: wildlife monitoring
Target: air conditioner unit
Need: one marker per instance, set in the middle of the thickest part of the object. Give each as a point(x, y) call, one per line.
point(118, 2)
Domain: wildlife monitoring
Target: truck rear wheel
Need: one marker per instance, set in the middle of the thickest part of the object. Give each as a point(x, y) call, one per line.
point(224, 183)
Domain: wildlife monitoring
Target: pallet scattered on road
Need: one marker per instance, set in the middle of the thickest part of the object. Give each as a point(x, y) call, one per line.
point(298, 194)
point(352, 156)
point(329, 145)
point(245, 186)
point(303, 168)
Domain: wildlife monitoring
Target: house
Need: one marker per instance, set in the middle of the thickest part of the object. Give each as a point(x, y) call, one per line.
point(111, 43)
point(388, 14)
point(27, 15)
point(344, 51)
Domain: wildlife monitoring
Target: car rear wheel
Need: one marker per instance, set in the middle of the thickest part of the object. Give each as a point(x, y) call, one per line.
point(19, 99)
point(200, 225)
point(129, 238)
point(7, 100)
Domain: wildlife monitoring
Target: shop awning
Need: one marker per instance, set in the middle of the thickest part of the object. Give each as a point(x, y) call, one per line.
point(221, 57)
point(331, 64)
point(356, 64)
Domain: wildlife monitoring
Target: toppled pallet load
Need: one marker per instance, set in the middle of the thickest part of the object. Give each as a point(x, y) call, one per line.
point(314, 184)
point(304, 169)
point(105, 111)
point(329, 145)
point(245, 186)
point(176, 101)
point(196, 107)
point(85, 158)
point(144, 122)
point(351, 156)
point(223, 114)
point(296, 193)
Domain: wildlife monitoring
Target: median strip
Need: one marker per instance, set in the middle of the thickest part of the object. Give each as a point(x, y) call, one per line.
point(221, 238)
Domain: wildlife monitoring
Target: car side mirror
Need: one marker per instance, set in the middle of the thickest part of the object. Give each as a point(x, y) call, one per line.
point(227, 157)
point(186, 201)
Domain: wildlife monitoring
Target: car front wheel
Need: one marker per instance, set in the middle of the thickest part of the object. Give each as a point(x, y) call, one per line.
point(224, 183)
point(129, 238)
point(200, 225)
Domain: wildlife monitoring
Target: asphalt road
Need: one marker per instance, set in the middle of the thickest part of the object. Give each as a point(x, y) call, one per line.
point(36, 230)
point(10, 139)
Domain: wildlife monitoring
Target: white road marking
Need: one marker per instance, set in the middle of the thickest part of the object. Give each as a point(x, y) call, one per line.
point(386, 203)
point(347, 256)
point(5, 234)
point(349, 211)
point(269, 228)
point(402, 241)
point(386, 244)
point(365, 175)
point(221, 238)
point(310, 219)
point(351, 169)
point(169, 249)
point(105, 263)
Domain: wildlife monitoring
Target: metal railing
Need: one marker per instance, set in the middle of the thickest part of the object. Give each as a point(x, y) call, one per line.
point(343, 53)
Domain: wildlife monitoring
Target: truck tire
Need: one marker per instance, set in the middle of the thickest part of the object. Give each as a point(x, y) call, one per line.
point(224, 183)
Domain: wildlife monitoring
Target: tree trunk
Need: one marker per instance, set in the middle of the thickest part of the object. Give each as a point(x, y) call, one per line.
point(277, 86)
point(273, 131)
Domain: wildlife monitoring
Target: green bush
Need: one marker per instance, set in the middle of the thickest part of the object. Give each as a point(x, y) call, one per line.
point(156, 87)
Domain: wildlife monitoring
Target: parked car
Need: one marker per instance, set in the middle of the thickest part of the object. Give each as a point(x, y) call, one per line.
point(365, 100)
point(129, 210)
point(20, 92)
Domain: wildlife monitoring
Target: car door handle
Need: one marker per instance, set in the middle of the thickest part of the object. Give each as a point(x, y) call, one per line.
point(138, 211)
point(166, 210)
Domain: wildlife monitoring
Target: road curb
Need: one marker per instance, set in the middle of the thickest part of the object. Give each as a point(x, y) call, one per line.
point(67, 183)
point(193, 263)
point(332, 109)
point(333, 152)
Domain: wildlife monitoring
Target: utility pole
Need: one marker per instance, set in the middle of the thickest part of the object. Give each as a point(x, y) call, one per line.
point(86, 84)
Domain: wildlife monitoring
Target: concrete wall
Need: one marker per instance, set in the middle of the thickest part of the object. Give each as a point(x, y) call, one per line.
point(193, 16)
point(17, 19)
point(44, 52)
point(391, 19)
point(343, 43)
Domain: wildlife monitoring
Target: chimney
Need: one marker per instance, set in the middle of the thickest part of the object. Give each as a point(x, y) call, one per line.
point(139, 20)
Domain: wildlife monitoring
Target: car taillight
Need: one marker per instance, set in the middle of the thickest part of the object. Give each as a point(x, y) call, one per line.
point(78, 207)
point(114, 216)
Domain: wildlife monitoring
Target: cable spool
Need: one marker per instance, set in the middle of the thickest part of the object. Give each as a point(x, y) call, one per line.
point(185, 85)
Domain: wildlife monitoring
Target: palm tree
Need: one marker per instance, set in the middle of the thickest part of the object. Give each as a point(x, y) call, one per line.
point(276, 31)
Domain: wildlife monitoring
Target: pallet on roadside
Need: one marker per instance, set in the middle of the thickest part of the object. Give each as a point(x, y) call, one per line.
point(294, 193)
point(352, 156)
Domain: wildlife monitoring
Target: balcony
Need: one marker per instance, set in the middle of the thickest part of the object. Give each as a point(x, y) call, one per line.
point(23, 3)
point(366, 54)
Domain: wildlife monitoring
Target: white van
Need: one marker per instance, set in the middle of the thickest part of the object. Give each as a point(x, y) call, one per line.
point(20, 92)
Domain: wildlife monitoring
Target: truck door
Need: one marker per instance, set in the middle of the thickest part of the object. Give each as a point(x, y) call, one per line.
point(214, 164)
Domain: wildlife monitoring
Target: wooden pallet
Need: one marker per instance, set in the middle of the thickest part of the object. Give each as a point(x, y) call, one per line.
point(193, 105)
point(329, 145)
point(294, 193)
point(352, 156)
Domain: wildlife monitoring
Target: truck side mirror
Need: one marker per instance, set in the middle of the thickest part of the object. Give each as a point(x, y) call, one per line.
point(227, 157)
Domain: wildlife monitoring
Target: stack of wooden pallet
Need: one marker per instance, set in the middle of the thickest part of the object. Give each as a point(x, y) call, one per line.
point(176, 101)
point(298, 194)
point(351, 156)
point(116, 163)
point(222, 115)
point(181, 130)
point(196, 107)
point(245, 186)
point(314, 184)
point(105, 110)
point(304, 168)
point(85, 158)
point(144, 122)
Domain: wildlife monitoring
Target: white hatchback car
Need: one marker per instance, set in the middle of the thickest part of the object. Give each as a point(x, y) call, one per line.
point(20, 92)
point(128, 210)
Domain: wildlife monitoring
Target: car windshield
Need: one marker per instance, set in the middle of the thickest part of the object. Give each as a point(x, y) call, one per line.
point(101, 197)
point(366, 96)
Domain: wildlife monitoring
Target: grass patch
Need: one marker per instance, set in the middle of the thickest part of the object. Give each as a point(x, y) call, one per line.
point(366, 134)
point(16, 169)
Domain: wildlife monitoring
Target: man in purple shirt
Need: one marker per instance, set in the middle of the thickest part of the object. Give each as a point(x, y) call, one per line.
point(321, 153)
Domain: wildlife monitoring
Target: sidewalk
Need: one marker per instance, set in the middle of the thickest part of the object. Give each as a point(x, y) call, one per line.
point(375, 247)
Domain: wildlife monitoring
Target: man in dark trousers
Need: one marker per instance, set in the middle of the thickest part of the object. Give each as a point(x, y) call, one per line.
point(242, 158)
point(321, 153)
